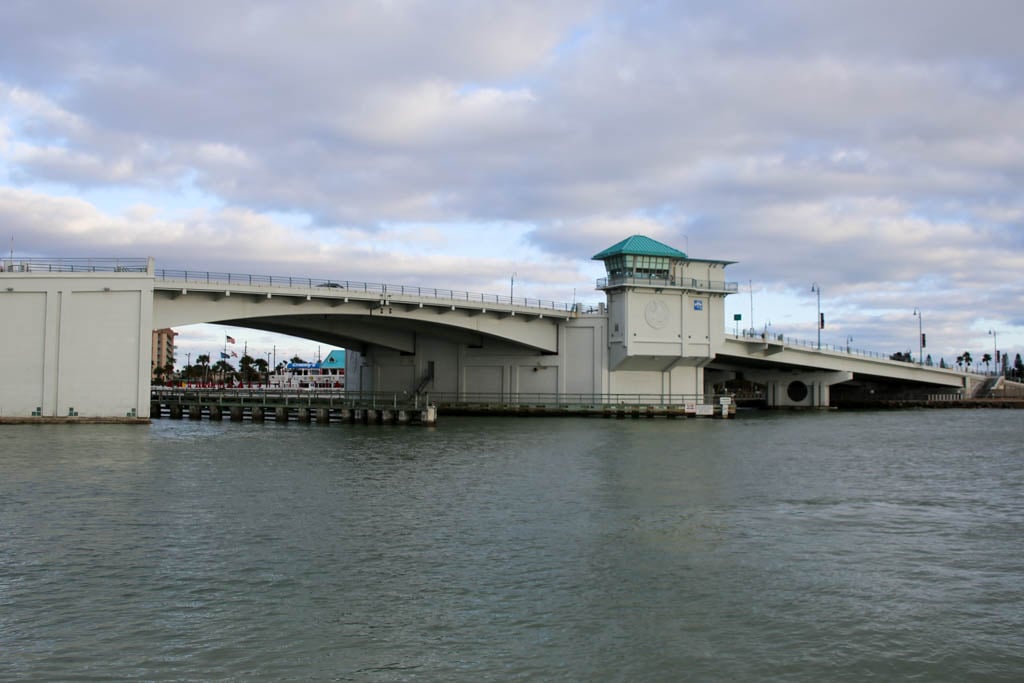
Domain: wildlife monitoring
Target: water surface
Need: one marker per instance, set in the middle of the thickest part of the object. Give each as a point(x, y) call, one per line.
point(800, 547)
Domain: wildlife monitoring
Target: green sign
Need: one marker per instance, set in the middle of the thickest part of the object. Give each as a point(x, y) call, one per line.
point(737, 316)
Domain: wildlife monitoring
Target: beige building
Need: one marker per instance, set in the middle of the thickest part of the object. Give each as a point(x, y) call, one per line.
point(163, 348)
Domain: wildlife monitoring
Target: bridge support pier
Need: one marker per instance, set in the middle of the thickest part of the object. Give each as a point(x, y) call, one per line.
point(175, 412)
point(195, 412)
point(236, 413)
point(304, 415)
point(281, 414)
point(798, 389)
point(323, 416)
point(216, 413)
point(259, 414)
point(403, 417)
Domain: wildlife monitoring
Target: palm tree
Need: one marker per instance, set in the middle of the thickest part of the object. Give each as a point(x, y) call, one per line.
point(204, 362)
point(986, 359)
point(967, 359)
point(262, 366)
point(245, 365)
point(224, 369)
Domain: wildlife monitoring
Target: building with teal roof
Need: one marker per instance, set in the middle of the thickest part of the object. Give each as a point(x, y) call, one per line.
point(666, 311)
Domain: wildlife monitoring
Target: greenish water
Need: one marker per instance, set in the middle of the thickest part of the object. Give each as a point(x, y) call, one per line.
point(791, 547)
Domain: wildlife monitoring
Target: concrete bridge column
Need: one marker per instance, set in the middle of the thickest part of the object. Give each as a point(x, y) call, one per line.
point(323, 416)
point(195, 412)
point(175, 412)
point(798, 389)
point(216, 413)
point(304, 415)
point(236, 413)
point(259, 414)
point(281, 414)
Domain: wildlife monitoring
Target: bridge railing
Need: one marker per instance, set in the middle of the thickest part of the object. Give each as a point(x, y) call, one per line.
point(571, 398)
point(388, 398)
point(812, 344)
point(683, 283)
point(75, 265)
point(375, 288)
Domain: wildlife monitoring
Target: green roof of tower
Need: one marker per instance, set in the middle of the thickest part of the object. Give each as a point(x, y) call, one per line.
point(639, 245)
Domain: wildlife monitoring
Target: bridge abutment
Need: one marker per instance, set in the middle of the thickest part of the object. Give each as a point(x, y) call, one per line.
point(66, 334)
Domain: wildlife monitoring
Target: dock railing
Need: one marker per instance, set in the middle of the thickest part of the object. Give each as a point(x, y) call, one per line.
point(335, 396)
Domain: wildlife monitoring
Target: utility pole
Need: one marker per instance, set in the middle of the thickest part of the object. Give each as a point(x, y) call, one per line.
point(920, 337)
point(751, 282)
point(821, 321)
point(995, 350)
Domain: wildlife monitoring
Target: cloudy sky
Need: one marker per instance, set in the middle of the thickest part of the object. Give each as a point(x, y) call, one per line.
point(874, 148)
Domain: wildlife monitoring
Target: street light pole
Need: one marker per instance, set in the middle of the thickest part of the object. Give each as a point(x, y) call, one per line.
point(751, 307)
point(816, 288)
point(995, 349)
point(920, 337)
point(511, 287)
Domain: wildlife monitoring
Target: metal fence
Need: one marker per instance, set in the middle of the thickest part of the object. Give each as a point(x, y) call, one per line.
point(75, 265)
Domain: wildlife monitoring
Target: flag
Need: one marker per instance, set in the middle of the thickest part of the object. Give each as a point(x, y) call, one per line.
point(224, 356)
point(231, 340)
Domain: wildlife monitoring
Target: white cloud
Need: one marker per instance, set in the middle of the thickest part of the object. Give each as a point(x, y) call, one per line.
point(874, 147)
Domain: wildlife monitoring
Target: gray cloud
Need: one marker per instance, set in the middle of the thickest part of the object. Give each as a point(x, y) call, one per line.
point(842, 142)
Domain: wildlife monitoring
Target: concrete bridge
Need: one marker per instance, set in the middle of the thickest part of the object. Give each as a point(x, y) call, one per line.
point(77, 336)
point(354, 315)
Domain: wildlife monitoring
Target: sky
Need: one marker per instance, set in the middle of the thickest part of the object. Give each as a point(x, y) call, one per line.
point(874, 149)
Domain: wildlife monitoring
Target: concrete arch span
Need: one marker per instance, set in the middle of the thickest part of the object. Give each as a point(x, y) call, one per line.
point(356, 319)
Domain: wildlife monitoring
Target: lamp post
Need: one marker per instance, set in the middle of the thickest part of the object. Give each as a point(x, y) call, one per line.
point(920, 337)
point(817, 289)
point(848, 340)
point(995, 350)
point(751, 306)
point(511, 287)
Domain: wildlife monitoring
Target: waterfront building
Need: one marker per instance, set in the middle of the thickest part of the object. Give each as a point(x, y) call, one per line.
point(163, 349)
point(328, 373)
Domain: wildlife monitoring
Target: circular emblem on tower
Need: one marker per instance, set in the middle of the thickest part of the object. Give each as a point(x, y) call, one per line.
point(656, 314)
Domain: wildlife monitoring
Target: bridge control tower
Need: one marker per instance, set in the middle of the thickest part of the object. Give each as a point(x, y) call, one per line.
point(665, 310)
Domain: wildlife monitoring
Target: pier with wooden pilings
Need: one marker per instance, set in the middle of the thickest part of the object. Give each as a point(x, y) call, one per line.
point(616, 406)
point(282, 406)
point(326, 406)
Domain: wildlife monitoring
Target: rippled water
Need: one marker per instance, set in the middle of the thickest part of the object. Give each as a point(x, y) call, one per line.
point(803, 547)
